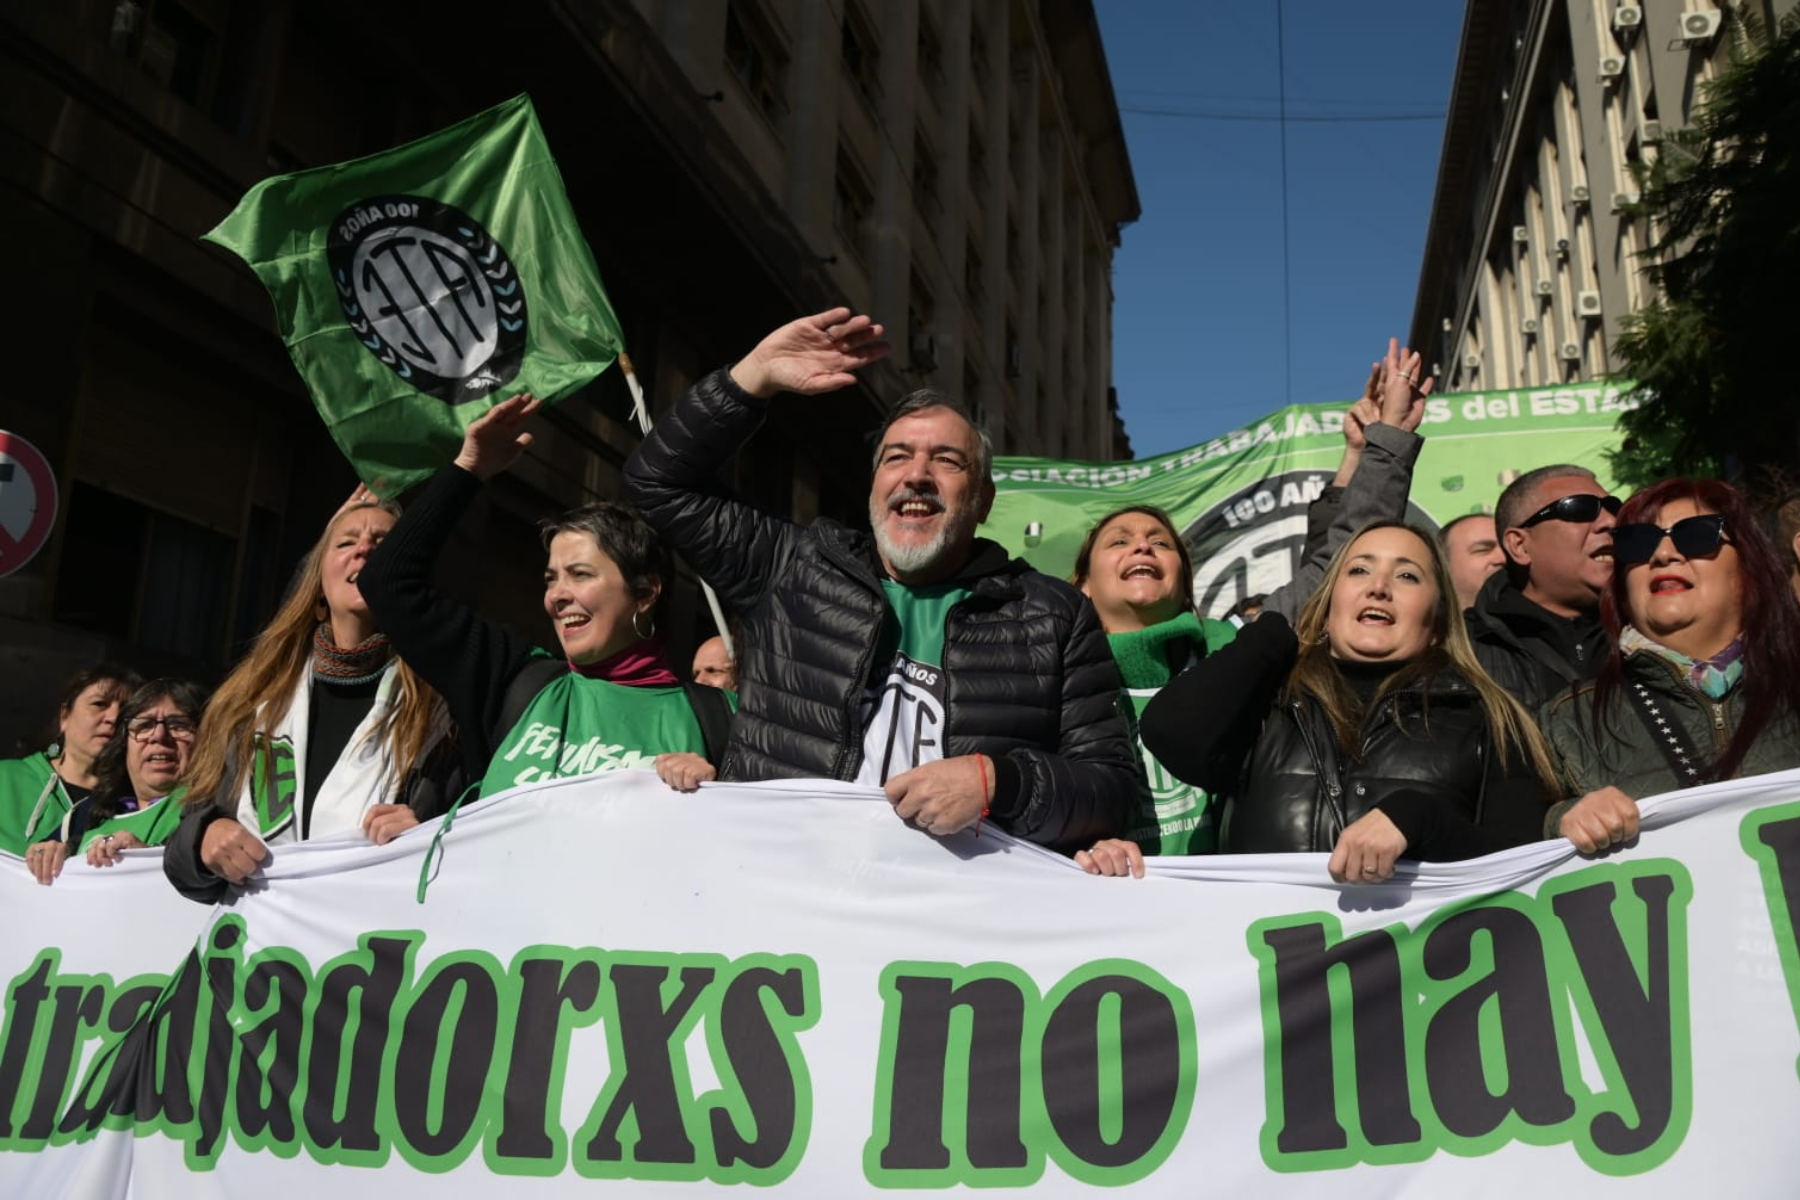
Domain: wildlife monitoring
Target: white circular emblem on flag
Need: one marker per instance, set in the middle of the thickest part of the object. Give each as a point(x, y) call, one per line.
point(430, 294)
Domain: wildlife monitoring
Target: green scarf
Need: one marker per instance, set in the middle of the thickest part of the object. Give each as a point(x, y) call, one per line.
point(1172, 817)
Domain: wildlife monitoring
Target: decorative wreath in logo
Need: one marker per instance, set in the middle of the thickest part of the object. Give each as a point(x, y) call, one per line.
point(431, 294)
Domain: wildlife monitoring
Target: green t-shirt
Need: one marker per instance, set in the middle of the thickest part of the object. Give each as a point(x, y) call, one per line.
point(24, 783)
point(1171, 817)
point(153, 824)
point(581, 726)
point(903, 713)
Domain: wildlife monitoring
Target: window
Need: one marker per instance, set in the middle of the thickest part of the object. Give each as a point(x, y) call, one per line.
point(925, 176)
point(755, 57)
point(972, 271)
point(931, 53)
point(862, 57)
point(136, 574)
point(851, 202)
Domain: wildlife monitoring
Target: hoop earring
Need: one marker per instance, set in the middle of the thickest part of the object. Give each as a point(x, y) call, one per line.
point(635, 628)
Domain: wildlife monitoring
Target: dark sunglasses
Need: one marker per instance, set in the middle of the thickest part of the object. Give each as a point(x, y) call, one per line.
point(1694, 537)
point(1584, 507)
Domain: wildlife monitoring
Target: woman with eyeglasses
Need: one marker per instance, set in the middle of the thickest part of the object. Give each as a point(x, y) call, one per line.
point(321, 729)
point(1703, 682)
point(141, 767)
point(55, 772)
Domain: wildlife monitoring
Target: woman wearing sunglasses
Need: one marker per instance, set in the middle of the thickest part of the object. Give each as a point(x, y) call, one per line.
point(1688, 695)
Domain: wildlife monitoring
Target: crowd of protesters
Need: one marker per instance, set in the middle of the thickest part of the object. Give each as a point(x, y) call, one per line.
point(1410, 694)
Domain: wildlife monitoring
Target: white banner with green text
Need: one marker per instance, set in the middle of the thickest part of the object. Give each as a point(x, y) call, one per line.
point(784, 985)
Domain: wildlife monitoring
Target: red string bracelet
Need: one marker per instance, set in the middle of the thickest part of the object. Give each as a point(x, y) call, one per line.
point(981, 765)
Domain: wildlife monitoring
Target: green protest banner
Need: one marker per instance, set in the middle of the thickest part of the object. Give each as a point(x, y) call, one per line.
point(417, 287)
point(1240, 499)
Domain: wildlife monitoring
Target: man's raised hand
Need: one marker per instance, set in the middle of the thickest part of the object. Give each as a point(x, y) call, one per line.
point(812, 356)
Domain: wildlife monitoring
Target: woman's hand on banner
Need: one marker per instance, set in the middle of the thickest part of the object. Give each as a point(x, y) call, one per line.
point(1112, 856)
point(385, 822)
point(104, 851)
point(1600, 820)
point(1366, 851)
point(45, 860)
point(495, 439)
point(230, 851)
point(684, 772)
point(813, 355)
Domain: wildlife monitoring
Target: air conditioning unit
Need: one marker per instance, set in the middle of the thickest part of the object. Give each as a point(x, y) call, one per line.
point(1623, 200)
point(1562, 247)
point(1652, 132)
point(1698, 28)
point(1579, 194)
point(924, 352)
point(1571, 352)
point(1529, 327)
point(1546, 288)
point(1611, 67)
point(1521, 233)
point(1628, 16)
point(1587, 303)
point(1471, 361)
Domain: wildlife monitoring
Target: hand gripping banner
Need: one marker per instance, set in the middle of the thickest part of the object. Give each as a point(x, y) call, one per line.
point(782, 985)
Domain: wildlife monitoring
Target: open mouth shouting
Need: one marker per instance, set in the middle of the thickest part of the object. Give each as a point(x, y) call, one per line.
point(1667, 583)
point(911, 505)
point(1374, 615)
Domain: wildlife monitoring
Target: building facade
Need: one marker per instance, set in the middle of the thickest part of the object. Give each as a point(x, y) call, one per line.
point(1532, 259)
point(955, 167)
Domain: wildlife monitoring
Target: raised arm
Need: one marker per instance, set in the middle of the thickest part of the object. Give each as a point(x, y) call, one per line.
point(1382, 478)
point(466, 657)
point(1204, 722)
point(674, 477)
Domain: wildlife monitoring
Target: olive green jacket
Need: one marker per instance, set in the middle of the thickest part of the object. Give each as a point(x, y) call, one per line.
point(1623, 753)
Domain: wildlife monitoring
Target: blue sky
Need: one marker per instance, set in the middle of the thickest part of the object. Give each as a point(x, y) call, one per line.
point(1200, 342)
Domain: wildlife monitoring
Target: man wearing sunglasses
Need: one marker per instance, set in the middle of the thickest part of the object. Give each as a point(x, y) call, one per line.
point(1536, 622)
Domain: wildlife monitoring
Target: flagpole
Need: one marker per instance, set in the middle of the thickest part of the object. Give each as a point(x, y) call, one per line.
point(643, 420)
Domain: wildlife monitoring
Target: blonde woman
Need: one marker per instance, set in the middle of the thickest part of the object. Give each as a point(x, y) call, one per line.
point(1369, 731)
point(321, 729)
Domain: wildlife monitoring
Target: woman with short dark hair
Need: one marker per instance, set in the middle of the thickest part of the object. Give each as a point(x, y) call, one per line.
point(611, 701)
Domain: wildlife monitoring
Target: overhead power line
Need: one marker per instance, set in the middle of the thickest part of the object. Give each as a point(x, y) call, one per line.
point(1323, 118)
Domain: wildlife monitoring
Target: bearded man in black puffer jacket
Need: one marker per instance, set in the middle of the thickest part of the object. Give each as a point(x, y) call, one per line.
point(915, 656)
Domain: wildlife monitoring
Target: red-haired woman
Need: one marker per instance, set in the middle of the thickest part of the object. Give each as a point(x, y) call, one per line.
point(1704, 678)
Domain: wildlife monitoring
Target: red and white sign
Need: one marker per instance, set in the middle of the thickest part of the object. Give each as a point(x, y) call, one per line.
point(27, 502)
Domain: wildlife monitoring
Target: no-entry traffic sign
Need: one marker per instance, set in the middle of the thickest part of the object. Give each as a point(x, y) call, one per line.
point(27, 502)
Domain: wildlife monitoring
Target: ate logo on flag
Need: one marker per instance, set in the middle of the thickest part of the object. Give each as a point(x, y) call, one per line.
point(430, 293)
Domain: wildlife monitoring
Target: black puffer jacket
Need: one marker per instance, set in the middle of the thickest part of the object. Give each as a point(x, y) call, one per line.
point(1426, 760)
point(1031, 682)
point(1529, 650)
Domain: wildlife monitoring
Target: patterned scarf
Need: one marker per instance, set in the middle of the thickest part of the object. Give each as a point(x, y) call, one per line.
point(1713, 677)
point(359, 664)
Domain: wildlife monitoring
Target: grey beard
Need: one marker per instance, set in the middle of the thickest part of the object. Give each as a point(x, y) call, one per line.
point(914, 557)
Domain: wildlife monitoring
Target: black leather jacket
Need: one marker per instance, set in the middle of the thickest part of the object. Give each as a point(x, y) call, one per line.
point(1426, 759)
point(1031, 682)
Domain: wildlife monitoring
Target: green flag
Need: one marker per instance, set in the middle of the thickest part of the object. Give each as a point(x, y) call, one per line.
point(418, 287)
point(1240, 500)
